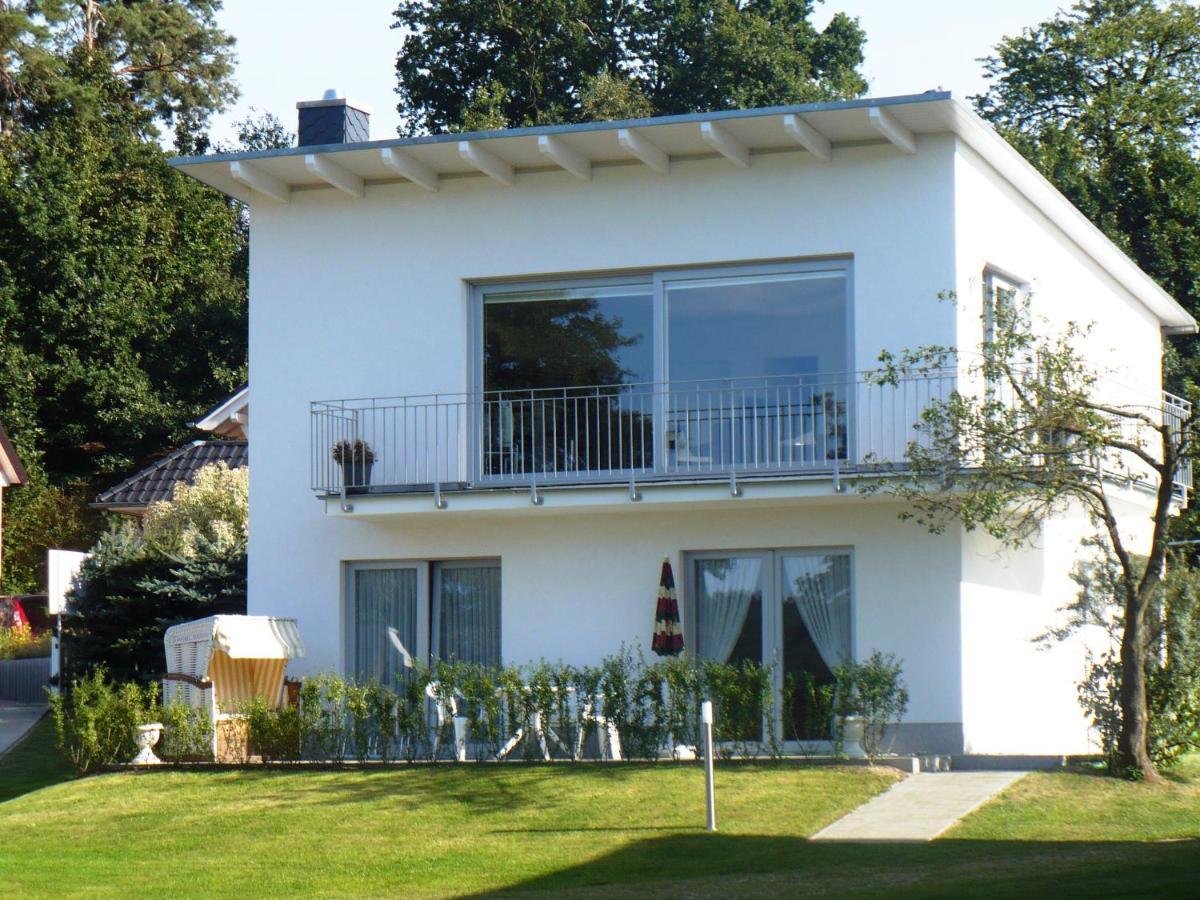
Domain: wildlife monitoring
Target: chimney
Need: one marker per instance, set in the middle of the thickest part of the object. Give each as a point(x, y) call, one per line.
point(333, 120)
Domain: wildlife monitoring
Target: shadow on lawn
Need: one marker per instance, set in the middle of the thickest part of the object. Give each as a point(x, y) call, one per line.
point(722, 865)
point(485, 789)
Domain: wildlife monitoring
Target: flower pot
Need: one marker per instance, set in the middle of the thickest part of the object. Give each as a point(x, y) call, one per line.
point(356, 475)
point(146, 736)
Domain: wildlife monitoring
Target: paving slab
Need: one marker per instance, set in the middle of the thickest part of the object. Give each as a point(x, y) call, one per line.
point(15, 720)
point(919, 808)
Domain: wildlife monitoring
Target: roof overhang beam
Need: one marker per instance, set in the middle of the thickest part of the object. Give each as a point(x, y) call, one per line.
point(333, 174)
point(725, 144)
point(808, 137)
point(566, 157)
point(639, 146)
point(487, 162)
point(404, 165)
point(896, 134)
point(262, 182)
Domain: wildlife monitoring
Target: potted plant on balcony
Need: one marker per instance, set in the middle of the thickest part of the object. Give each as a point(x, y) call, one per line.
point(356, 459)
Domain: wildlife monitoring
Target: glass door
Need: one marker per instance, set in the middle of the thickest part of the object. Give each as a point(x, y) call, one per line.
point(466, 612)
point(814, 640)
point(786, 610)
point(388, 609)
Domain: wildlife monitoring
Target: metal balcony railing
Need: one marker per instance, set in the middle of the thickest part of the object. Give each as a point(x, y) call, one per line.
point(1177, 412)
point(610, 434)
point(776, 425)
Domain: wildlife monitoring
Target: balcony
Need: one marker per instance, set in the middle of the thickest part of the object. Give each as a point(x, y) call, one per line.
point(625, 434)
point(774, 428)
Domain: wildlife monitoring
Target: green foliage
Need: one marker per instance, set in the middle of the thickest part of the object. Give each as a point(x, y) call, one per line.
point(212, 511)
point(19, 643)
point(189, 563)
point(38, 515)
point(95, 719)
point(816, 722)
point(1032, 428)
point(170, 59)
point(1173, 676)
point(187, 733)
point(273, 732)
point(480, 64)
point(1104, 99)
point(873, 691)
point(607, 97)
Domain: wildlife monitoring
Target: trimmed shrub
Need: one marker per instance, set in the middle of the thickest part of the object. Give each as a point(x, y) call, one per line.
point(95, 720)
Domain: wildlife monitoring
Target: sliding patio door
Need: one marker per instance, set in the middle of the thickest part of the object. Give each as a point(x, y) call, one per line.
point(788, 610)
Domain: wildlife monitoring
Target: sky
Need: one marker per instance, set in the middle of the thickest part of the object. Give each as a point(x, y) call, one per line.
point(290, 50)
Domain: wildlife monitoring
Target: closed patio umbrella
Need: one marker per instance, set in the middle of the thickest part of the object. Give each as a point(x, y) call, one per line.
point(668, 635)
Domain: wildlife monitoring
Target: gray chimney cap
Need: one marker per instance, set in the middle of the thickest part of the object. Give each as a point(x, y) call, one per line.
point(339, 100)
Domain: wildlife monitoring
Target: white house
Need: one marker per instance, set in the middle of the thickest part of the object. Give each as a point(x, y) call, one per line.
point(585, 348)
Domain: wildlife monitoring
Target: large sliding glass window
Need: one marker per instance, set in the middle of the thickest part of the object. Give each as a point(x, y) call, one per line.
point(447, 610)
point(757, 327)
point(762, 363)
point(669, 372)
point(565, 380)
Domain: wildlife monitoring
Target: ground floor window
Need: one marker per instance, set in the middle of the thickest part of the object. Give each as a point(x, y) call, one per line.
point(435, 610)
point(788, 610)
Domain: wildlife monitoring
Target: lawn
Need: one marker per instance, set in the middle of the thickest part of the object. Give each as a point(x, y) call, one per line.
point(587, 830)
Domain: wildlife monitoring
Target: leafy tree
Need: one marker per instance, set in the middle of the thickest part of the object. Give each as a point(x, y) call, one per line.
point(187, 563)
point(122, 292)
point(1104, 99)
point(1173, 665)
point(472, 64)
point(1031, 433)
point(169, 56)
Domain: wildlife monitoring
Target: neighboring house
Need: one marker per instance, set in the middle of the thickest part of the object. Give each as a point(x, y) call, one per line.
point(230, 419)
point(588, 347)
point(12, 473)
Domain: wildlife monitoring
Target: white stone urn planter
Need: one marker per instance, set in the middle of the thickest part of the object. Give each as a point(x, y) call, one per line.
point(146, 736)
point(852, 737)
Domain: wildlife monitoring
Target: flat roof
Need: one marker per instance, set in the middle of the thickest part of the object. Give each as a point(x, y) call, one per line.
point(817, 129)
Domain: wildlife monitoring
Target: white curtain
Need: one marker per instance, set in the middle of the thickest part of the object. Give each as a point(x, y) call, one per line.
point(383, 598)
point(725, 589)
point(820, 588)
point(467, 616)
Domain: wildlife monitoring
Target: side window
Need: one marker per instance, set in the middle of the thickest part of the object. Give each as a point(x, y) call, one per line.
point(1000, 295)
point(425, 610)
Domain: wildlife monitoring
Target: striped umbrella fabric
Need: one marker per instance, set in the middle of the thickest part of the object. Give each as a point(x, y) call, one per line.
point(668, 635)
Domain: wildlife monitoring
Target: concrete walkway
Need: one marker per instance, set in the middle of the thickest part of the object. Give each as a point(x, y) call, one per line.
point(15, 720)
point(919, 808)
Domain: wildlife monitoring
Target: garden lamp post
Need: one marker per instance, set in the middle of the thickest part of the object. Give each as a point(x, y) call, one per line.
point(706, 724)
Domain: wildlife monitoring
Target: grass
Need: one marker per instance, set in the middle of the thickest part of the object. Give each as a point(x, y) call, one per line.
point(418, 832)
point(588, 831)
point(32, 764)
point(1085, 805)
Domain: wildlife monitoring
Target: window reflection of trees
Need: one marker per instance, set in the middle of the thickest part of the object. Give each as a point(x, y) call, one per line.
point(558, 398)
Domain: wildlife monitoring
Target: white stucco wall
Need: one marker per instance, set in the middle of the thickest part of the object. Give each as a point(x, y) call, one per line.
point(998, 227)
point(1019, 695)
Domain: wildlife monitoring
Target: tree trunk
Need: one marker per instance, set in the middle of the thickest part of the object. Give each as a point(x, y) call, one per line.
point(1132, 752)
